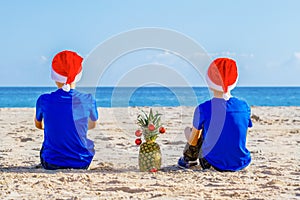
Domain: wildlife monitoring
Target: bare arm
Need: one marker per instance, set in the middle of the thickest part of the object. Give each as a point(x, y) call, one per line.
point(195, 135)
point(39, 124)
point(91, 124)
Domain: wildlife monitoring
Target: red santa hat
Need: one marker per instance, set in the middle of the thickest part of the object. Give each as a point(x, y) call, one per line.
point(222, 75)
point(66, 68)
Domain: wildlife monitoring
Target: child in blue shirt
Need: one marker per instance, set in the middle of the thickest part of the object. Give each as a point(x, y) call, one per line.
point(66, 115)
point(219, 132)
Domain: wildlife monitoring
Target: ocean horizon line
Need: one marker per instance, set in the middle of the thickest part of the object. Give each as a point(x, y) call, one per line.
point(152, 86)
point(159, 96)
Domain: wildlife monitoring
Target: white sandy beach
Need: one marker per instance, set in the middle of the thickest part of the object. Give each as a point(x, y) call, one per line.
point(274, 173)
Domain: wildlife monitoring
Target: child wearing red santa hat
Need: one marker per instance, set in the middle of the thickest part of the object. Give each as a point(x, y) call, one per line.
point(219, 132)
point(66, 115)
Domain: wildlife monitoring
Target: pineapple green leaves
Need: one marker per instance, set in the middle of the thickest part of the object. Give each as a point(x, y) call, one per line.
point(145, 120)
point(150, 124)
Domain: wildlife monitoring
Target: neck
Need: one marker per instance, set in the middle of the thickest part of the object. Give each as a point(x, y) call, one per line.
point(219, 94)
point(59, 85)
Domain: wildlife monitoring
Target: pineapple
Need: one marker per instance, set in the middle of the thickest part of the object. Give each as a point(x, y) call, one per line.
point(149, 154)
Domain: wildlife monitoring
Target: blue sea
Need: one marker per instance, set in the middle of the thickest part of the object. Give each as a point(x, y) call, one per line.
point(156, 96)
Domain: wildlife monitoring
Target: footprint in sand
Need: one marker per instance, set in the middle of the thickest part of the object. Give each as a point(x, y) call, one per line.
point(126, 189)
point(26, 139)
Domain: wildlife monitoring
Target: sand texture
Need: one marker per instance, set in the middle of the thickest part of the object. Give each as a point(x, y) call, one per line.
point(274, 142)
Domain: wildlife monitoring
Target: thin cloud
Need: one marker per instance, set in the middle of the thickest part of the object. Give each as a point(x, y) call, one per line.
point(166, 57)
point(292, 64)
point(44, 59)
point(297, 56)
point(226, 54)
point(247, 55)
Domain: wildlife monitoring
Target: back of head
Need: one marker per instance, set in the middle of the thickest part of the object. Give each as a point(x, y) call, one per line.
point(222, 74)
point(66, 68)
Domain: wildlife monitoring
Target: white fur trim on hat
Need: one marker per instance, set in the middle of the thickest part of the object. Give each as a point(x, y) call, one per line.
point(219, 87)
point(57, 77)
point(78, 77)
point(63, 79)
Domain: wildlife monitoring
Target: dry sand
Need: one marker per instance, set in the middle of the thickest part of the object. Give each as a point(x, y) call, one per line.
point(274, 173)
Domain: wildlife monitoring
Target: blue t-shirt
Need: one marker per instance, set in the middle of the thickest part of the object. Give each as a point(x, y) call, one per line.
point(224, 127)
point(66, 116)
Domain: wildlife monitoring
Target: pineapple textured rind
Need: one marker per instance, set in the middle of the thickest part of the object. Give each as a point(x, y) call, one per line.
point(149, 156)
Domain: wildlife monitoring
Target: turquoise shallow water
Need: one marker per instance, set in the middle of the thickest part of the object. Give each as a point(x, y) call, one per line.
point(156, 96)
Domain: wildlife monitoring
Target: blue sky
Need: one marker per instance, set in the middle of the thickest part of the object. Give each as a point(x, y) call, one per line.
point(262, 36)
